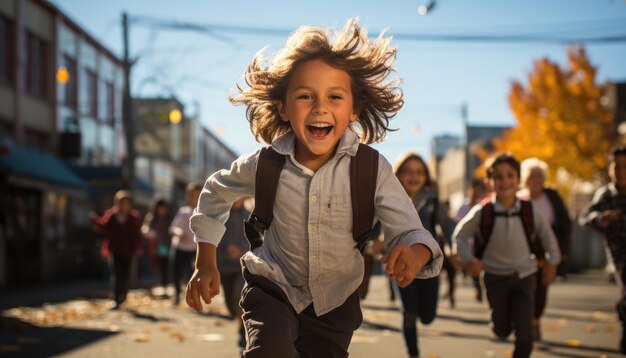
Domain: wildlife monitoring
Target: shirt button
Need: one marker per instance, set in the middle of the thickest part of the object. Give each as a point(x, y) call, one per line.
point(314, 197)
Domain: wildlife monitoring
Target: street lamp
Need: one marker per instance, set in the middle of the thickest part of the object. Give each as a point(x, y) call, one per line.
point(424, 9)
point(175, 116)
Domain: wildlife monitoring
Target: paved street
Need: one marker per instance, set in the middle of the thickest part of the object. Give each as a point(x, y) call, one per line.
point(579, 322)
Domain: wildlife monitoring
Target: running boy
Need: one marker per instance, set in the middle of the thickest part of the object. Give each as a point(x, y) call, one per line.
point(309, 103)
point(508, 261)
point(607, 213)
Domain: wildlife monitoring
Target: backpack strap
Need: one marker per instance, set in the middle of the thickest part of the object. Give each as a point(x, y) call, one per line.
point(363, 175)
point(486, 227)
point(268, 170)
point(487, 221)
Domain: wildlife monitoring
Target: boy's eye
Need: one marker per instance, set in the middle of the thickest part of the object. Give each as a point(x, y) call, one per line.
point(335, 96)
point(304, 96)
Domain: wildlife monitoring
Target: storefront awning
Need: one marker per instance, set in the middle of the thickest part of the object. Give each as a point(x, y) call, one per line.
point(36, 164)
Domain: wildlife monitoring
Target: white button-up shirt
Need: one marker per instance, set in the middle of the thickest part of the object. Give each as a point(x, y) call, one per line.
point(507, 252)
point(308, 249)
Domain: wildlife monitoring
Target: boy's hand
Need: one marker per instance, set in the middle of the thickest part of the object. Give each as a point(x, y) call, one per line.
point(549, 274)
point(456, 262)
point(404, 262)
point(474, 267)
point(234, 252)
point(204, 283)
point(607, 217)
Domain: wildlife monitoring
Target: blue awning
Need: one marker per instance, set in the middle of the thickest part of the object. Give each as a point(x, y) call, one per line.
point(34, 163)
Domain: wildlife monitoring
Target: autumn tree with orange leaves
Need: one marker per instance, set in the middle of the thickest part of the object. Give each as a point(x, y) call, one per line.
point(560, 118)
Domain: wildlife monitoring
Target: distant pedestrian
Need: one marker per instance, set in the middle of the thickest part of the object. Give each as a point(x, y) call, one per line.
point(301, 297)
point(549, 203)
point(121, 226)
point(497, 235)
point(229, 252)
point(155, 230)
point(607, 213)
point(183, 250)
point(475, 192)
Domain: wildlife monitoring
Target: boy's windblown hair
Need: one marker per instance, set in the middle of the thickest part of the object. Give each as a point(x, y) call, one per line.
point(377, 99)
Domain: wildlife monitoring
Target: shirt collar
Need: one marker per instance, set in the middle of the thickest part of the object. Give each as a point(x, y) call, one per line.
point(348, 144)
point(497, 207)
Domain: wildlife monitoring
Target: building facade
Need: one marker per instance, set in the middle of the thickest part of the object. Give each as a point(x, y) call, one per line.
point(60, 99)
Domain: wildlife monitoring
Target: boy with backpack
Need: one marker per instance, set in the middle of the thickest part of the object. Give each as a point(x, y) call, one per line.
point(304, 267)
point(497, 236)
point(607, 213)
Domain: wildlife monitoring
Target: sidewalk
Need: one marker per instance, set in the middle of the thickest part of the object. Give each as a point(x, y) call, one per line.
point(579, 322)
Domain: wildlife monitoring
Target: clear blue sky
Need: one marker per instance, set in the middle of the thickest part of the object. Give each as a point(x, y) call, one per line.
point(437, 76)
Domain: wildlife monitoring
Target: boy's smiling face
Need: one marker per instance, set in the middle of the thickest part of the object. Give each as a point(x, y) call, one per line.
point(504, 181)
point(319, 107)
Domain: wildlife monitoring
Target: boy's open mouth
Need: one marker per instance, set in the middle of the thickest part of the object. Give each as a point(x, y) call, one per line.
point(319, 130)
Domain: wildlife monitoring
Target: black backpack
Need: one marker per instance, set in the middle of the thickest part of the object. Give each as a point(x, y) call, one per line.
point(487, 219)
point(363, 174)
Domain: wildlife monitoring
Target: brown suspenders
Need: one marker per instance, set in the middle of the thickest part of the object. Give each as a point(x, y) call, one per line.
point(363, 174)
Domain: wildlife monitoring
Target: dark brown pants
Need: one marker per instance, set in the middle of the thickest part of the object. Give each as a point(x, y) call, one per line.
point(511, 300)
point(274, 329)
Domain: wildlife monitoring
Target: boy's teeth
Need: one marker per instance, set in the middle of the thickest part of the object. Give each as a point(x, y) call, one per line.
point(320, 125)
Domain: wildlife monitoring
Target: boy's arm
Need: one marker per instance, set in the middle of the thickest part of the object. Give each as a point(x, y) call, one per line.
point(446, 223)
point(175, 228)
point(205, 282)
point(593, 211)
point(463, 235)
point(402, 227)
point(464, 239)
point(220, 191)
point(550, 245)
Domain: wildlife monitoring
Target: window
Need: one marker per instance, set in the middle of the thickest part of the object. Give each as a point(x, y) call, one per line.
point(37, 66)
point(6, 50)
point(110, 103)
point(92, 93)
point(70, 88)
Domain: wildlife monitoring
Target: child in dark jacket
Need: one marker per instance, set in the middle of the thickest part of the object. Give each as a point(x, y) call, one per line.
point(607, 213)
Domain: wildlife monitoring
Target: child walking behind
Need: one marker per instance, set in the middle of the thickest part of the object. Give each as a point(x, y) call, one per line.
point(183, 246)
point(506, 254)
point(419, 298)
point(607, 213)
point(309, 103)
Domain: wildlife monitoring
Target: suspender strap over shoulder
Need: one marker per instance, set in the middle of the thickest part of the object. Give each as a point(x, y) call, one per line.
point(267, 179)
point(487, 221)
point(363, 175)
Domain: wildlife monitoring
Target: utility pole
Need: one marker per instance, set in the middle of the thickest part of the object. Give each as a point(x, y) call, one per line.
point(127, 112)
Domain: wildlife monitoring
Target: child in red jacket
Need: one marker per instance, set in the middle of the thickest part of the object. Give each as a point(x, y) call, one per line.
point(121, 227)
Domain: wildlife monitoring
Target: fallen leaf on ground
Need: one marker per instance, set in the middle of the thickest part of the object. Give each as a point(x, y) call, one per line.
point(573, 342)
point(141, 338)
point(178, 336)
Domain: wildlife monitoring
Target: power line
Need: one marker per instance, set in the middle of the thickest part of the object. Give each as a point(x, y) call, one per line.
point(217, 30)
